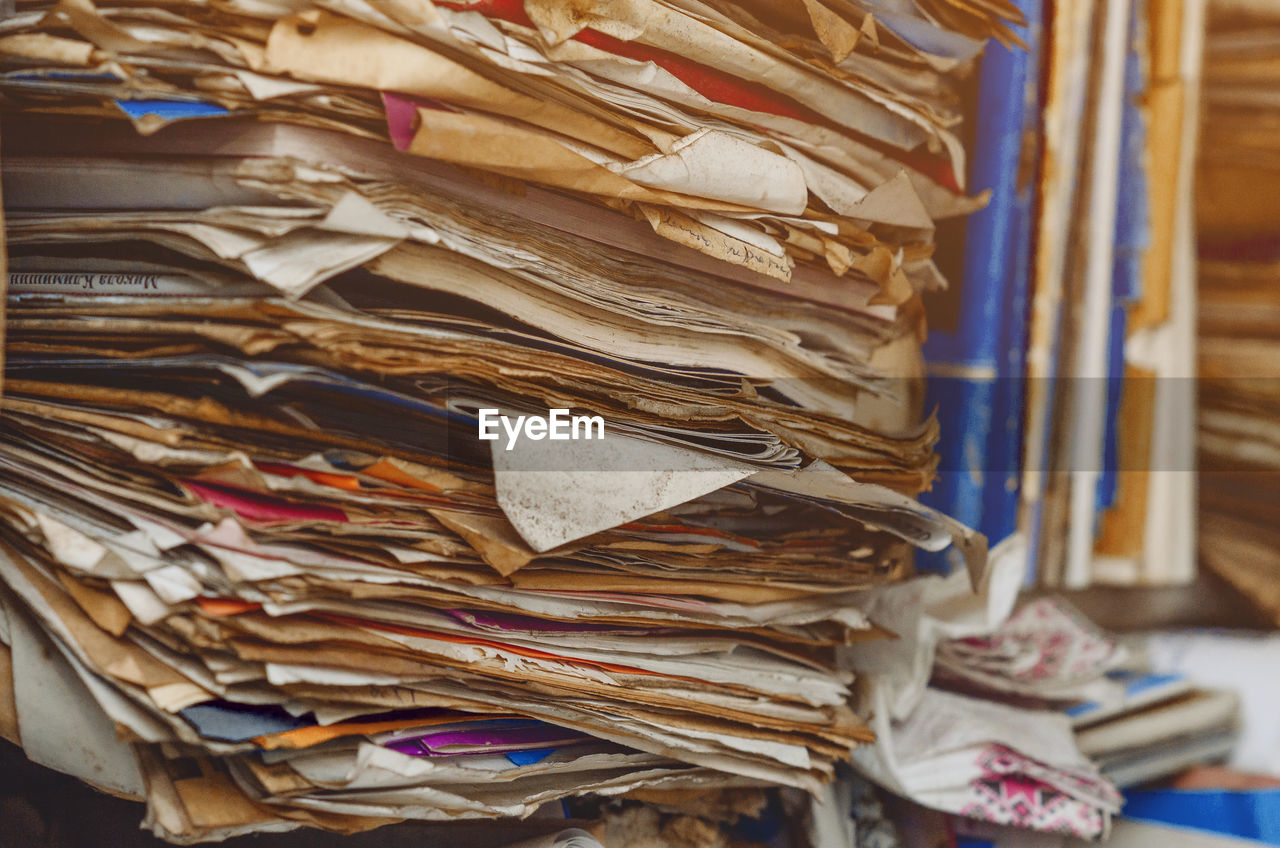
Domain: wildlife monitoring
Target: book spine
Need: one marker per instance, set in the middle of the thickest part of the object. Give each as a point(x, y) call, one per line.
point(976, 372)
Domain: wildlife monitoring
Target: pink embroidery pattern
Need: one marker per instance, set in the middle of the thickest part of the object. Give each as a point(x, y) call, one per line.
point(1042, 647)
point(1014, 790)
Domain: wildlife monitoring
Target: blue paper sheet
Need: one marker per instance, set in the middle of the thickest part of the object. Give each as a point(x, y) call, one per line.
point(1251, 814)
point(231, 722)
point(171, 110)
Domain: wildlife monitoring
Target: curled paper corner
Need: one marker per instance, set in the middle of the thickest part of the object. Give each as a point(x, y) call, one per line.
point(558, 492)
point(895, 202)
point(836, 34)
point(558, 21)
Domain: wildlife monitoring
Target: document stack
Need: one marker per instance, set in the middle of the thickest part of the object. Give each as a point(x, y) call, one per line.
point(968, 705)
point(1109, 493)
point(1135, 725)
point(1239, 172)
point(1030, 719)
point(1066, 368)
point(438, 410)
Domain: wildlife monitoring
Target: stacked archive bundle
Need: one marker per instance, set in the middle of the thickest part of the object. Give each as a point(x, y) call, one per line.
point(1239, 319)
point(1111, 347)
point(256, 549)
point(1079, 438)
point(1065, 364)
point(1021, 719)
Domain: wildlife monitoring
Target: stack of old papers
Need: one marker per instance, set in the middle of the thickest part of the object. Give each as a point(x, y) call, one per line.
point(956, 730)
point(1239, 172)
point(771, 140)
point(1031, 721)
point(1136, 725)
point(1066, 365)
point(1107, 490)
point(435, 411)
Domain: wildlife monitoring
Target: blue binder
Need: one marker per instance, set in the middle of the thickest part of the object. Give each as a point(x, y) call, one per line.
point(976, 367)
point(1133, 236)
